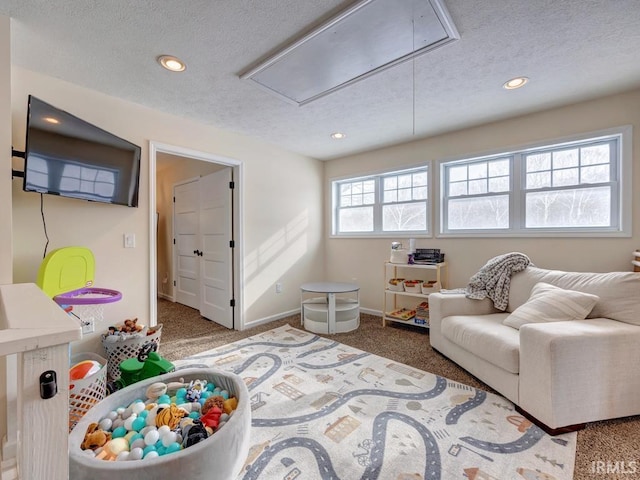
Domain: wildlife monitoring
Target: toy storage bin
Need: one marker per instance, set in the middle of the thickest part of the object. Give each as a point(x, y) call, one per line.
point(118, 351)
point(86, 392)
point(221, 456)
point(413, 286)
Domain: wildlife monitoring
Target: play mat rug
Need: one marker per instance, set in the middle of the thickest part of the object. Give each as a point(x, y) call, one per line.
point(324, 410)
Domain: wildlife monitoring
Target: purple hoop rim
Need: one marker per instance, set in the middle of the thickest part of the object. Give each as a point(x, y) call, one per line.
point(72, 298)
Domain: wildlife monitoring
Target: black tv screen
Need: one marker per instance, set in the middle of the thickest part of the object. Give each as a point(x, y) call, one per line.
point(69, 157)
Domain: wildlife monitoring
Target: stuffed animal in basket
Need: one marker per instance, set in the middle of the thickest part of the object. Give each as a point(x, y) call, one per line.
point(95, 437)
point(131, 326)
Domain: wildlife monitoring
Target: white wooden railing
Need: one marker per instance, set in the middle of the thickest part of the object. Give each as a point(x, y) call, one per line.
point(34, 336)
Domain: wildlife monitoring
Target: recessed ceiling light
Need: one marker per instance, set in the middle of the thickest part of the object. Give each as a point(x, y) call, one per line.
point(338, 136)
point(172, 63)
point(515, 83)
point(55, 121)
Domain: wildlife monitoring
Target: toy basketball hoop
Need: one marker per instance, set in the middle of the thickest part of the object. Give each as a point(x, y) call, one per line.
point(66, 275)
point(87, 303)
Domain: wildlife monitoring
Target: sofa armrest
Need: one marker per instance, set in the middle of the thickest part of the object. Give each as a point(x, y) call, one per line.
point(579, 371)
point(442, 305)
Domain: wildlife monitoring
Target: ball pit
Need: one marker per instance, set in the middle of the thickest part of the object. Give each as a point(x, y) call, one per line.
point(137, 457)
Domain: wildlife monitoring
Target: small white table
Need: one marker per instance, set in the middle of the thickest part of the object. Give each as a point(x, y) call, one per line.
point(328, 314)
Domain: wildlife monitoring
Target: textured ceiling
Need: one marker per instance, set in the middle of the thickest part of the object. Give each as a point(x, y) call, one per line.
point(571, 50)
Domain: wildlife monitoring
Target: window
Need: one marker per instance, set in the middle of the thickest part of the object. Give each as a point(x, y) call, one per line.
point(571, 188)
point(394, 202)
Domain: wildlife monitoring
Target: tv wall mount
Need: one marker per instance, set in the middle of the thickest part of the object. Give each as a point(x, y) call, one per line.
point(19, 154)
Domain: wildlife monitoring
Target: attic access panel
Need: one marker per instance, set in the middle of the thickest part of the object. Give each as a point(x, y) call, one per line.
point(368, 37)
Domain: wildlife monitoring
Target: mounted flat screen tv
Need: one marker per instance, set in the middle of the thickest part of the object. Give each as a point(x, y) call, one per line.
point(69, 157)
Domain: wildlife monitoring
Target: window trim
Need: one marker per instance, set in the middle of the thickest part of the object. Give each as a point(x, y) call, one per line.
point(377, 206)
point(623, 195)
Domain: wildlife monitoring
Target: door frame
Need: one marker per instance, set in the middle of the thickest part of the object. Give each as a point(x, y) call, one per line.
point(237, 227)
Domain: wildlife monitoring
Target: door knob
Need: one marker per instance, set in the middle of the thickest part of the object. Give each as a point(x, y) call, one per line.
point(195, 252)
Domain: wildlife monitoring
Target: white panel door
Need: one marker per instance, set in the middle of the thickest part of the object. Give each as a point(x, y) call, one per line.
point(186, 230)
point(217, 254)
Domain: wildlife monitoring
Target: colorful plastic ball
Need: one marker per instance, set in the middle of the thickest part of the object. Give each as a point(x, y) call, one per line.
point(119, 432)
point(138, 443)
point(151, 437)
point(105, 424)
point(122, 456)
point(128, 423)
point(138, 407)
point(143, 414)
point(84, 369)
point(225, 394)
point(138, 424)
point(194, 415)
point(173, 447)
point(182, 392)
point(169, 438)
point(164, 399)
point(152, 454)
point(136, 454)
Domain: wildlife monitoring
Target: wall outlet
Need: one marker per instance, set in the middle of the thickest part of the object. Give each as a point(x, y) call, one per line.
point(278, 288)
point(88, 326)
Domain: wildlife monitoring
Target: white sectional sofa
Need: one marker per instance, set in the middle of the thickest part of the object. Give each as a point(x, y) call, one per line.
point(562, 373)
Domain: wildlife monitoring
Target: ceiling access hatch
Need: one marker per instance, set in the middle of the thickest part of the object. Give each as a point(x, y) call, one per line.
point(368, 37)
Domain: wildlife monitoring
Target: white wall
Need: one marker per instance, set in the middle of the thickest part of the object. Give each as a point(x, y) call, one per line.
point(6, 265)
point(362, 259)
point(282, 197)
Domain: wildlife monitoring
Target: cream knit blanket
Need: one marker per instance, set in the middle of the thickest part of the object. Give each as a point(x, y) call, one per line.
point(494, 278)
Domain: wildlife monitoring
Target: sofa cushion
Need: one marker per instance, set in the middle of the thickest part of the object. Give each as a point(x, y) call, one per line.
point(549, 303)
point(486, 337)
point(618, 291)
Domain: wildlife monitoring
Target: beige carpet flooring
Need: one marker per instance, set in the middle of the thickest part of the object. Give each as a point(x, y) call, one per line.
point(613, 444)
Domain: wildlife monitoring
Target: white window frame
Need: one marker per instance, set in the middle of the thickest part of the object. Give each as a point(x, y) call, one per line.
point(621, 191)
point(378, 204)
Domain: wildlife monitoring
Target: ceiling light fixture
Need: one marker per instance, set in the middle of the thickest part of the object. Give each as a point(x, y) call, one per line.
point(515, 83)
point(338, 136)
point(52, 120)
point(171, 63)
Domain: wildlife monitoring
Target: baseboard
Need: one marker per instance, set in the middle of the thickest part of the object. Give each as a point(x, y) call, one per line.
point(9, 470)
point(165, 296)
point(271, 318)
point(296, 311)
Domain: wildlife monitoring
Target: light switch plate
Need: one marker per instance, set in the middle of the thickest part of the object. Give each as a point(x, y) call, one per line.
point(129, 240)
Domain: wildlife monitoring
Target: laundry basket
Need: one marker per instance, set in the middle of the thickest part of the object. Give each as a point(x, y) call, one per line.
point(119, 350)
point(85, 393)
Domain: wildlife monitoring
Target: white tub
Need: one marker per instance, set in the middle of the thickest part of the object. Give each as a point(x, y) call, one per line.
point(220, 456)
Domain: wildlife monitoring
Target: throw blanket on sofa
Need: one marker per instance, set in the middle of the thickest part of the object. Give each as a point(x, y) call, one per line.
point(493, 280)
